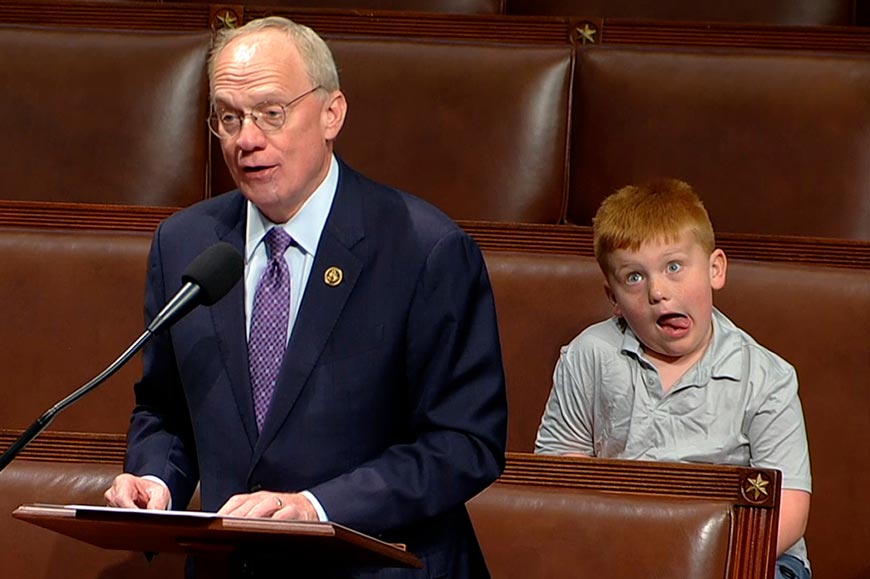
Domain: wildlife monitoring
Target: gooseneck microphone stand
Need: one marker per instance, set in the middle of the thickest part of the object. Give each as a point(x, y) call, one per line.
point(43, 421)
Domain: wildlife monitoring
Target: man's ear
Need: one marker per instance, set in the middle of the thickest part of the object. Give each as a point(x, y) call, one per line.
point(718, 269)
point(334, 112)
point(611, 297)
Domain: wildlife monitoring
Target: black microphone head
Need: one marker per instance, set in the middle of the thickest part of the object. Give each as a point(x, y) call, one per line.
point(216, 270)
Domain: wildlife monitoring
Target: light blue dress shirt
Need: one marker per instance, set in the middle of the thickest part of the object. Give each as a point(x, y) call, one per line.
point(305, 228)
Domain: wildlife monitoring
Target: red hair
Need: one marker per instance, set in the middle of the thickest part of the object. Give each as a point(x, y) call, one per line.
point(658, 210)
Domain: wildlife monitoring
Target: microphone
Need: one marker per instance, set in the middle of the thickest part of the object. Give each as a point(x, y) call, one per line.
point(208, 278)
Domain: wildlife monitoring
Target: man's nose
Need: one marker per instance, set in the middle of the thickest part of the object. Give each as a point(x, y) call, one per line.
point(250, 135)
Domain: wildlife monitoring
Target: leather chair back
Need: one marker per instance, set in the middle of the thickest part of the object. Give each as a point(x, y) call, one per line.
point(537, 532)
point(817, 319)
point(103, 116)
point(34, 552)
point(775, 143)
point(543, 301)
point(72, 303)
point(480, 130)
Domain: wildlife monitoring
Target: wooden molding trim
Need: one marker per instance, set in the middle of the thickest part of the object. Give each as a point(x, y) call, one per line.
point(115, 15)
point(735, 35)
point(728, 483)
point(61, 446)
point(490, 235)
point(174, 16)
point(48, 215)
point(577, 240)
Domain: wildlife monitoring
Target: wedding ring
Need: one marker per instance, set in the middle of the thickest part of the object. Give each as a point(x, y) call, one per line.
point(279, 501)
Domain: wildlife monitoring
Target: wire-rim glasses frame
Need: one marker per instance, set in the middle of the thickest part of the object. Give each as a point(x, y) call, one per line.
point(268, 116)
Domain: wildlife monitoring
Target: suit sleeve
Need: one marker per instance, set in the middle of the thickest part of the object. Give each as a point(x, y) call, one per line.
point(160, 439)
point(457, 403)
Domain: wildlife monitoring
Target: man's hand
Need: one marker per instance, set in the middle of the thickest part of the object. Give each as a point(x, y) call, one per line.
point(265, 504)
point(134, 492)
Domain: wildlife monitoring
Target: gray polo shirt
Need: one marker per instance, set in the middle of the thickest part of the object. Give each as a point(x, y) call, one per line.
point(738, 405)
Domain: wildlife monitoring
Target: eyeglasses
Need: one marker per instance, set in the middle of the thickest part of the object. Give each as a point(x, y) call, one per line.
point(269, 117)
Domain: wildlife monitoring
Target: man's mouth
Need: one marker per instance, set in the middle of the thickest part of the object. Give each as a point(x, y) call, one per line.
point(256, 169)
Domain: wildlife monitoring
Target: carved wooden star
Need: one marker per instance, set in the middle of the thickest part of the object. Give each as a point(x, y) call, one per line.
point(757, 486)
point(587, 34)
point(228, 19)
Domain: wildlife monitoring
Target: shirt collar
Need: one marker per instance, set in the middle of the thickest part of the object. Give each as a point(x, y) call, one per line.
point(724, 357)
point(721, 360)
point(305, 227)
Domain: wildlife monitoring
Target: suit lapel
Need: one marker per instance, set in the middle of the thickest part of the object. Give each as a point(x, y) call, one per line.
point(229, 320)
point(322, 304)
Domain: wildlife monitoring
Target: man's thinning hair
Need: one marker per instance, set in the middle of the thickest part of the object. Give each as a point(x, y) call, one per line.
point(316, 55)
point(658, 210)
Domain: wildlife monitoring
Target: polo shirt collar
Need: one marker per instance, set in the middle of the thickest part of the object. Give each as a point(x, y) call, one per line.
point(722, 360)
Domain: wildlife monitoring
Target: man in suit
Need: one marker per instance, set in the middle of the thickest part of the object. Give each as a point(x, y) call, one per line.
point(385, 408)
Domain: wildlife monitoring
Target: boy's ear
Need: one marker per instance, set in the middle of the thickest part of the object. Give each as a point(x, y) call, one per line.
point(718, 269)
point(611, 297)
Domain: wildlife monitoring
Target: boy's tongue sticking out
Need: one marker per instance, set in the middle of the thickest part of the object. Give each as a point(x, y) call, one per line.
point(674, 324)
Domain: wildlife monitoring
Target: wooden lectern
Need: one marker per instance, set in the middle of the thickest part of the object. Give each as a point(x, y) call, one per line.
point(218, 544)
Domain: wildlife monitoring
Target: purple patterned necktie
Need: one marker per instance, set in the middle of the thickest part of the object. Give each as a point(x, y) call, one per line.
point(269, 319)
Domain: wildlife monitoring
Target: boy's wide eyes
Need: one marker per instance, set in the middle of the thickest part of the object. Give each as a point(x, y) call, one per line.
point(633, 278)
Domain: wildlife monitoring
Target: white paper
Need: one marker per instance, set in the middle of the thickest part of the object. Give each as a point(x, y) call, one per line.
point(95, 508)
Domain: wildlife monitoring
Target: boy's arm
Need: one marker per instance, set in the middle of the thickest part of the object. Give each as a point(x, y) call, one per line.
point(566, 426)
point(777, 439)
point(793, 514)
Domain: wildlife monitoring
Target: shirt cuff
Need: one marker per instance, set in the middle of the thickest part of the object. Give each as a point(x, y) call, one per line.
point(158, 480)
point(321, 513)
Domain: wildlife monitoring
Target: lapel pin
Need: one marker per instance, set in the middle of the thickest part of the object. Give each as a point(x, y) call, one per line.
point(333, 276)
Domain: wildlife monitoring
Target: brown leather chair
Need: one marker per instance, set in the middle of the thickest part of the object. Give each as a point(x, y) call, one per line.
point(31, 552)
point(72, 303)
point(103, 116)
point(590, 518)
point(817, 318)
point(772, 141)
point(477, 129)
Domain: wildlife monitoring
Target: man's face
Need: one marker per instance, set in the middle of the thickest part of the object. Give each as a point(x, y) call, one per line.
point(664, 293)
point(277, 171)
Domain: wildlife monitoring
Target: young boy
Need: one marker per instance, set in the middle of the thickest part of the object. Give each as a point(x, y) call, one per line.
point(669, 377)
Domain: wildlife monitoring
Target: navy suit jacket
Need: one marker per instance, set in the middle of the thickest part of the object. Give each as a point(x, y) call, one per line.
point(390, 405)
